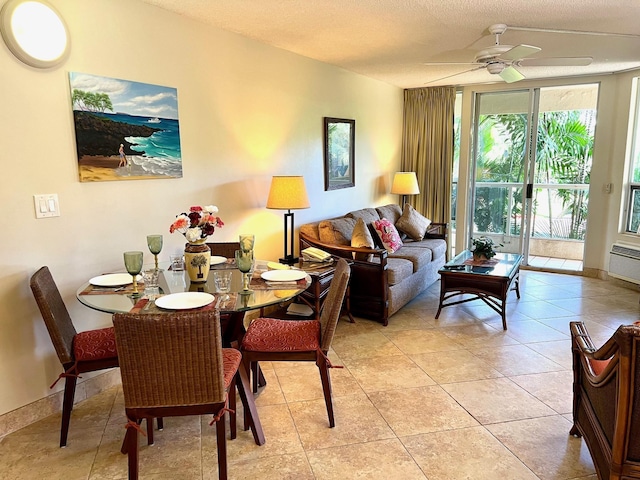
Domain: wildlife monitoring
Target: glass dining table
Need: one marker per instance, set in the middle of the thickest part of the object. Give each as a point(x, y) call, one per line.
point(119, 298)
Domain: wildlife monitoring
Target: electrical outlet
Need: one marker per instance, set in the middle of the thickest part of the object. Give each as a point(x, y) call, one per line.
point(46, 205)
point(607, 187)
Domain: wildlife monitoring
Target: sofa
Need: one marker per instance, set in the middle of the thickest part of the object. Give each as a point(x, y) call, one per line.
point(383, 278)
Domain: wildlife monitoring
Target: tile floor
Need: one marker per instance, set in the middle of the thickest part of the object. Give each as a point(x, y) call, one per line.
point(454, 398)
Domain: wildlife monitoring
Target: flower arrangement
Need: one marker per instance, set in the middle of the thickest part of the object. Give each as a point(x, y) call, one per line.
point(198, 224)
point(483, 246)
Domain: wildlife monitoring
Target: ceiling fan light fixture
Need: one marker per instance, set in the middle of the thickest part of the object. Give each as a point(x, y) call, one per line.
point(495, 68)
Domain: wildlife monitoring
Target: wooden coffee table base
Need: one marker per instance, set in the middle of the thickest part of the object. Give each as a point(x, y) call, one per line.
point(491, 290)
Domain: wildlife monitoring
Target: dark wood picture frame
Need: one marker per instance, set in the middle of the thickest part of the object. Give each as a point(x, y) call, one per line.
point(339, 153)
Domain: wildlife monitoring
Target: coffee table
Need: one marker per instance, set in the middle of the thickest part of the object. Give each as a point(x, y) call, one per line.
point(490, 281)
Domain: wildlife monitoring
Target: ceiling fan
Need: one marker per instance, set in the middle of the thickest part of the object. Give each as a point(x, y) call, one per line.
point(506, 60)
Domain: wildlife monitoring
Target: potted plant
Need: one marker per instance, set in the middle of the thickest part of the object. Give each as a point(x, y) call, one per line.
point(483, 248)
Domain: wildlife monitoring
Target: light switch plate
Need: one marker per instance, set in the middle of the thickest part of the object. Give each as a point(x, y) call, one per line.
point(46, 205)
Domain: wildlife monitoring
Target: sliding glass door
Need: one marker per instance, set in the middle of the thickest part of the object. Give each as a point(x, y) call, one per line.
point(532, 154)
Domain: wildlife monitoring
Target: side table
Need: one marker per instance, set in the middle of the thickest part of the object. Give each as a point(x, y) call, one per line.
point(321, 277)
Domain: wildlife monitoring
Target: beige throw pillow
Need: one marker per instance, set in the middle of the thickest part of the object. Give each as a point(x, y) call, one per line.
point(362, 238)
point(413, 223)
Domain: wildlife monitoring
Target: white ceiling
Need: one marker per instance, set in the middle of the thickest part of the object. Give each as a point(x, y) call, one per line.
point(389, 40)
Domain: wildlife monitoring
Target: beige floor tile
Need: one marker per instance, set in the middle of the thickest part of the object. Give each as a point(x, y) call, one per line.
point(470, 453)
point(454, 366)
point(365, 345)
point(422, 341)
point(306, 385)
point(386, 373)
point(38, 455)
point(413, 411)
point(541, 309)
point(545, 446)
point(533, 332)
point(496, 400)
point(555, 389)
point(271, 393)
point(516, 360)
point(357, 421)
point(383, 460)
point(479, 335)
point(558, 352)
point(279, 467)
point(412, 318)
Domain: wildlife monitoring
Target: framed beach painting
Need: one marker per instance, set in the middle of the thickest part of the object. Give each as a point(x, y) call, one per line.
point(339, 153)
point(125, 130)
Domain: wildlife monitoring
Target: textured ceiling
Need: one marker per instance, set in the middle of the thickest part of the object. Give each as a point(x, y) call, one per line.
point(390, 40)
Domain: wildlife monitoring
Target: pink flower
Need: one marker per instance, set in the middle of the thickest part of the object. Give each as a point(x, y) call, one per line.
point(198, 223)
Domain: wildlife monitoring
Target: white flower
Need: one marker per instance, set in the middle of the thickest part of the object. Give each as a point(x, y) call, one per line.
point(193, 234)
point(210, 209)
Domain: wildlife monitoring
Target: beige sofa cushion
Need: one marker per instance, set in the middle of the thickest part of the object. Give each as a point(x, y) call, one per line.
point(362, 238)
point(413, 223)
point(337, 231)
point(367, 215)
point(310, 230)
point(391, 212)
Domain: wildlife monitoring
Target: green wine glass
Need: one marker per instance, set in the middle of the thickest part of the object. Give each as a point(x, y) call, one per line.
point(154, 242)
point(244, 262)
point(133, 264)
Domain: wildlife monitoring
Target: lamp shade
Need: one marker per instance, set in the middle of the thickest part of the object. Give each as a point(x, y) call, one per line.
point(288, 193)
point(405, 183)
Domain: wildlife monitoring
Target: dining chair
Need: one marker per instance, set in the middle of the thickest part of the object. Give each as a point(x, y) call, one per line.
point(270, 339)
point(78, 352)
point(224, 249)
point(173, 364)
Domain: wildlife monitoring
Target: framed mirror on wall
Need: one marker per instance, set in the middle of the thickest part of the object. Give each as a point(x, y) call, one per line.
point(339, 153)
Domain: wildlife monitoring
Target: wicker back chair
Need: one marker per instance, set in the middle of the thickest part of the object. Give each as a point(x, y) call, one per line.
point(78, 352)
point(270, 339)
point(174, 365)
point(606, 400)
point(224, 249)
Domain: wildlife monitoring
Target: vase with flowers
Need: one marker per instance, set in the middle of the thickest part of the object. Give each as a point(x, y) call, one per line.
point(483, 248)
point(196, 225)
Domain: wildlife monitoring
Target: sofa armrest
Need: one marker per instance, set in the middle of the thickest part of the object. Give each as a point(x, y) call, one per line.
point(437, 230)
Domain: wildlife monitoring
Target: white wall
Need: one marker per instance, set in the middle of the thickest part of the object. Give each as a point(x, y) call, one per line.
point(247, 111)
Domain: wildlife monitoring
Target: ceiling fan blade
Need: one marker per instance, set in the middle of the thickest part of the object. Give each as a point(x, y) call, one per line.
point(450, 63)
point(511, 74)
point(455, 75)
point(573, 32)
point(519, 51)
point(556, 62)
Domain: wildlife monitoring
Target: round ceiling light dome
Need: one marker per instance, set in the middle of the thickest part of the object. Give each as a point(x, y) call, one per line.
point(34, 32)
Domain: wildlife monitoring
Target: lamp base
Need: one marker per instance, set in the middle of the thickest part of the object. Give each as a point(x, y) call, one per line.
point(289, 260)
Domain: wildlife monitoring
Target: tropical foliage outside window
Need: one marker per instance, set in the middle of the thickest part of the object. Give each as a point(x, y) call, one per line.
point(633, 206)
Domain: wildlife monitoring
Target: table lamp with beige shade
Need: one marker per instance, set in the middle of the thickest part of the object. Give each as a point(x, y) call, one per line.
point(288, 193)
point(405, 183)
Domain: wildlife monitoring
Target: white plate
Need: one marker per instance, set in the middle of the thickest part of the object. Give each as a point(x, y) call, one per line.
point(113, 280)
point(284, 275)
point(216, 260)
point(184, 300)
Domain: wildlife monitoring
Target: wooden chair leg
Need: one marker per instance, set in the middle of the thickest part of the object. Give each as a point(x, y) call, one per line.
point(232, 406)
point(67, 406)
point(160, 423)
point(131, 439)
point(250, 410)
point(222, 450)
point(255, 367)
point(326, 388)
point(150, 431)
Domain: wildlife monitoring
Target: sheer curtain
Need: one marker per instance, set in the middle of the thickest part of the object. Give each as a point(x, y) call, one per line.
point(427, 148)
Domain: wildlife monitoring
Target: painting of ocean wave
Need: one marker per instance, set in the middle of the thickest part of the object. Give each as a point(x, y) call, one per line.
point(125, 130)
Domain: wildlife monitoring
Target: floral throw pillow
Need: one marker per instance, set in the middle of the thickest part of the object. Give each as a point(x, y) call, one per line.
point(388, 235)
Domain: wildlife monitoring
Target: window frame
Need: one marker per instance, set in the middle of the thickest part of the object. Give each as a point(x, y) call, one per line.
point(633, 187)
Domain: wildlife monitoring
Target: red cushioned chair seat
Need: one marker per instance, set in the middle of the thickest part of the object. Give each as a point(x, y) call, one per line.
point(273, 335)
point(598, 366)
point(95, 345)
point(231, 359)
